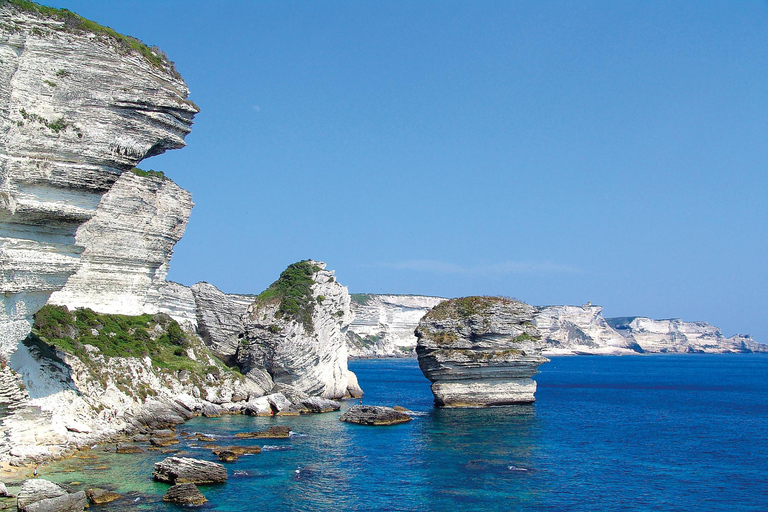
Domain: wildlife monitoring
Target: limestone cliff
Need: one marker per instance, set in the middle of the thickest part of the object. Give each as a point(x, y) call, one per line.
point(678, 336)
point(383, 324)
point(79, 104)
point(480, 351)
point(128, 245)
point(220, 318)
point(579, 330)
point(296, 331)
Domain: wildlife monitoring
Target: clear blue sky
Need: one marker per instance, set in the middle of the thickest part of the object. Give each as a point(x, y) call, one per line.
point(557, 152)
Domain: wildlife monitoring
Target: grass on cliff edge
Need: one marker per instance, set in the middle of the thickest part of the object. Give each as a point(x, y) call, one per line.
point(74, 22)
point(294, 291)
point(464, 307)
point(117, 336)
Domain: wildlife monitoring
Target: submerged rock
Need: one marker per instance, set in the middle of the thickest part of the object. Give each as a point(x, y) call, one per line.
point(180, 470)
point(480, 351)
point(227, 456)
point(185, 494)
point(275, 432)
point(374, 415)
point(99, 496)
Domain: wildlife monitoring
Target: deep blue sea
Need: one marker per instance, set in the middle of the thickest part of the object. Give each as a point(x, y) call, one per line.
point(637, 433)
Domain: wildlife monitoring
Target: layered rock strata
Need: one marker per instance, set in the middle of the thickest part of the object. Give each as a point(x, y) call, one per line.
point(220, 318)
point(480, 351)
point(296, 331)
point(78, 105)
point(128, 246)
point(383, 324)
point(678, 336)
point(569, 330)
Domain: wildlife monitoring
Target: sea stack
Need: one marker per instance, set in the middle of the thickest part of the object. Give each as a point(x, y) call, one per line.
point(480, 351)
point(296, 331)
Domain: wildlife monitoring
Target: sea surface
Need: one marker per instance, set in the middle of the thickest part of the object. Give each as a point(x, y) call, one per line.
point(632, 433)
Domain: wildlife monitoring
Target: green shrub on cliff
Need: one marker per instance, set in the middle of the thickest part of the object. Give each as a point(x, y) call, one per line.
point(294, 291)
point(74, 23)
point(147, 174)
point(115, 335)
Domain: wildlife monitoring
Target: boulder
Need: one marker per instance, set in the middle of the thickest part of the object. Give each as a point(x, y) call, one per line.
point(258, 407)
point(99, 496)
point(317, 404)
point(75, 502)
point(37, 489)
point(211, 411)
point(181, 470)
point(374, 415)
point(227, 456)
point(185, 494)
point(4, 491)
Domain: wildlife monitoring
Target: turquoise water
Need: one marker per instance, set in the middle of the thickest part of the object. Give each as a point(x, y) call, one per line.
point(646, 433)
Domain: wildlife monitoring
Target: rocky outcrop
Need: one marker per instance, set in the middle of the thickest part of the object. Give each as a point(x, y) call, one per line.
point(184, 470)
point(480, 351)
point(184, 494)
point(678, 336)
point(78, 106)
point(383, 324)
point(296, 329)
point(374, 415)
point(128, 245)
point(90, 394)
point(37, 489)
point(219, 318)
point(567, 330)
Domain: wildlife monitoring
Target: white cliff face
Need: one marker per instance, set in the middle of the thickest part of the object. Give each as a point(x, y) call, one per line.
point(220, 318)
point(678, 336)
point(383, 325)
point(301, 342)
point(76, 109)
point(579, 330)
point(128, 245)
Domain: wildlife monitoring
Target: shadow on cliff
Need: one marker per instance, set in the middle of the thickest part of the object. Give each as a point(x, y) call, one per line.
point(43, 371)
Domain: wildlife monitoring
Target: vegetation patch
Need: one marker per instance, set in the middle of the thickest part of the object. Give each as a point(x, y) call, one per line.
point(293, 290)
point(75, 23)
point(56, 126)
point(464, 307)
point(148, 174)
point(360, 298)
point(158, 336)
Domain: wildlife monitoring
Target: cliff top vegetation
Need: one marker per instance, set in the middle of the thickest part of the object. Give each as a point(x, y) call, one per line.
point(464, 307)
point(294, 291)
point(75, 23)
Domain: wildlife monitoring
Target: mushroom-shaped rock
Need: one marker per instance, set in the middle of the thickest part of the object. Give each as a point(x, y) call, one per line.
point(182, 470)
point(185, 494)
point(480, 351)
point(374, 415)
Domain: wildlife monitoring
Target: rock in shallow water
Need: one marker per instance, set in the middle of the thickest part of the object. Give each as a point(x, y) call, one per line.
point(37, 489)
point(185, 494)
point(480, 351)
point(374, 415)
point(275, 432)
point(180, 470)
point(99, 496)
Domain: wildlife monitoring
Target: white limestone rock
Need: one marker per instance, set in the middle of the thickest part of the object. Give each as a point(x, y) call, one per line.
point(302, 341)
point(128, 245)
point(76, 109)
point(383, 325)
point(568, 330)
point(678, 336)
point(480, 351)
point(219, 318)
